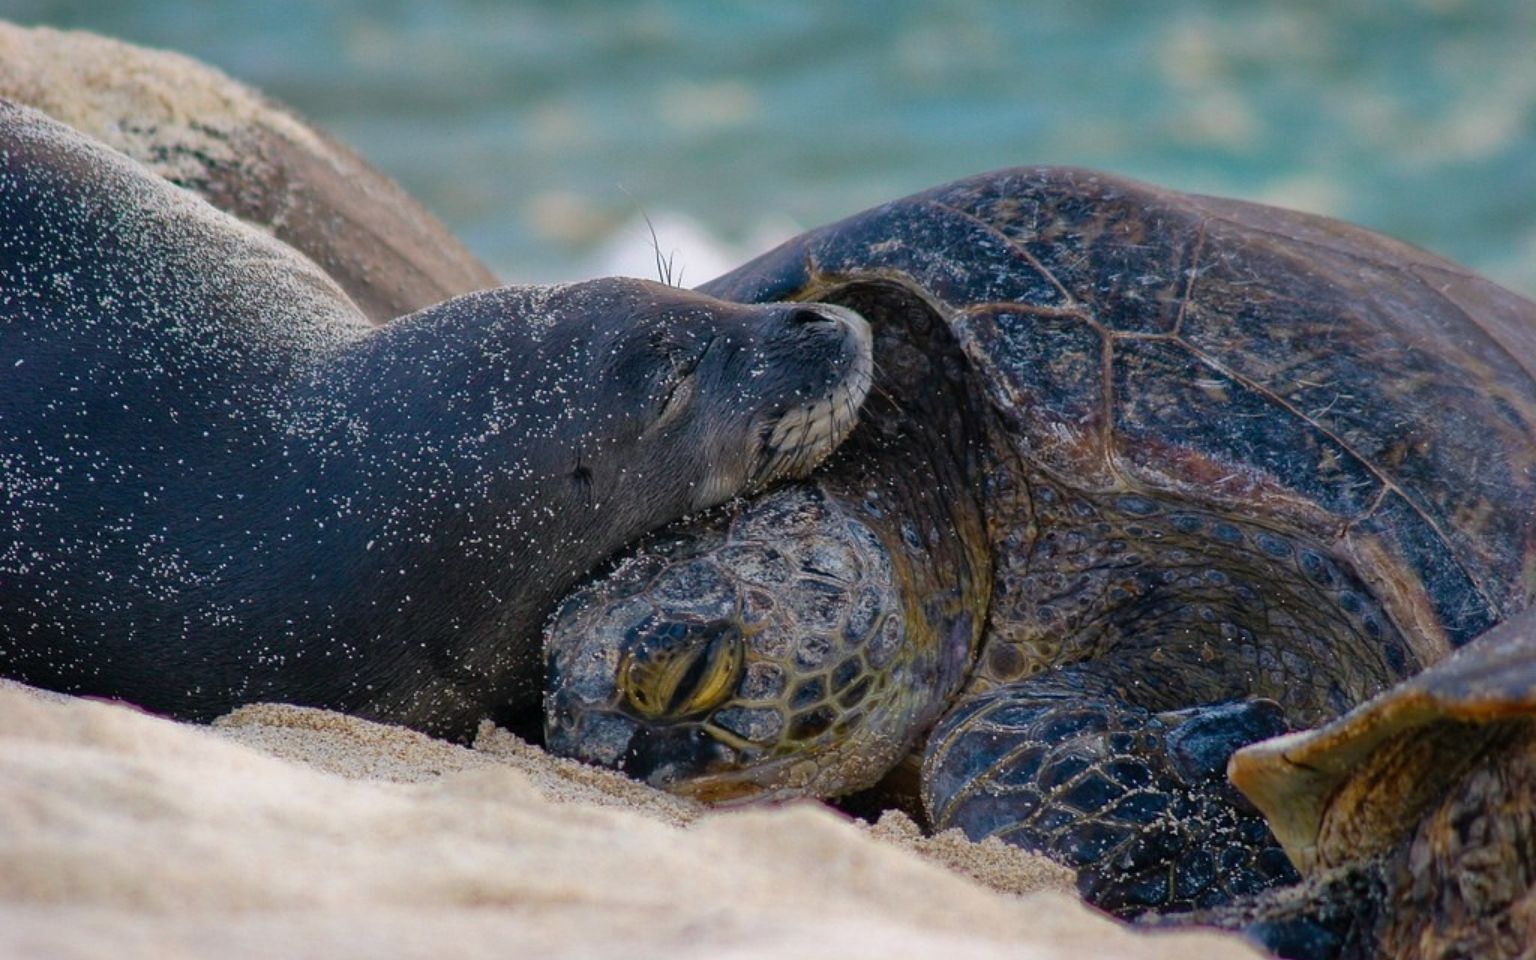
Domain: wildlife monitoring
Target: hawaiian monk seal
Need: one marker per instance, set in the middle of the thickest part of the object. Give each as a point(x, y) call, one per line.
point(220, 484)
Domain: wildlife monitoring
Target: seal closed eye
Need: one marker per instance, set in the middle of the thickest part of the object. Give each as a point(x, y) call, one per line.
point(220, 484)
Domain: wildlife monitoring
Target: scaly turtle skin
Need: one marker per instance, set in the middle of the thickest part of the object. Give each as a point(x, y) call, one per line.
point(1412, 817)
point(1144, 477)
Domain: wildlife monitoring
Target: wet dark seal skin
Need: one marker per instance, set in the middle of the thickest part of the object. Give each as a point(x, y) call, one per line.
point(220, 484)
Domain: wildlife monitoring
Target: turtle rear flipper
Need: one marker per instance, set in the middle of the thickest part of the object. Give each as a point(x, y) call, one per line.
point(1384, 759)
point(1135, 800)
point(1423, 798)
point(1440, 865)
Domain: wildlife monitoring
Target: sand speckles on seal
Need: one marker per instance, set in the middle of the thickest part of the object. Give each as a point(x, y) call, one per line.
point(224, 485)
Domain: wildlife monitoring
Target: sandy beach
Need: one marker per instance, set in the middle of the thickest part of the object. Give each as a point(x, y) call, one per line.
point(283, 831)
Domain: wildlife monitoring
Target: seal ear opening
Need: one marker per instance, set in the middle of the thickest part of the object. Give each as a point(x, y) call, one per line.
point(581, 478)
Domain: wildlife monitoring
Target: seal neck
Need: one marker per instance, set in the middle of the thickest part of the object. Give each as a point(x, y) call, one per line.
point(415, 512)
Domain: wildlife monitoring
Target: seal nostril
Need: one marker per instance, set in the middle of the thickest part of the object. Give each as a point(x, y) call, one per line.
point(810, 315)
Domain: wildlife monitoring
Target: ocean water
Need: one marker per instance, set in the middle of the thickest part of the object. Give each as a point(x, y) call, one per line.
point(540, 130)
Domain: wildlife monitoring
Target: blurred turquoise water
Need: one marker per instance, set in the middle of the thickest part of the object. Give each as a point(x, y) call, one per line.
point(536, 129)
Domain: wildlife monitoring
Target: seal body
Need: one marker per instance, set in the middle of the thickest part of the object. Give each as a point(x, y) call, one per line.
point(222, 484)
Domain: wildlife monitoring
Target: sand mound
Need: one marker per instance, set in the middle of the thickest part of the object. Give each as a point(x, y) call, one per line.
point(292, 832)
point(248, 156)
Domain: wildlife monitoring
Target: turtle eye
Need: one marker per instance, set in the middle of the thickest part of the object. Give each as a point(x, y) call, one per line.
point(691, 674)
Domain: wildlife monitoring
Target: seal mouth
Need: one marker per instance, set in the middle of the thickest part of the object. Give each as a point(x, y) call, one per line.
point(798, 439)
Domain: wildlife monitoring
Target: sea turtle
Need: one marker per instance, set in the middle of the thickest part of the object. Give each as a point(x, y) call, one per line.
point(1412, 817)
point(1145, 476)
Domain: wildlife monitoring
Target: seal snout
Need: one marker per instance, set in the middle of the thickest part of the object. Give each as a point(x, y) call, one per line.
point(835, 351)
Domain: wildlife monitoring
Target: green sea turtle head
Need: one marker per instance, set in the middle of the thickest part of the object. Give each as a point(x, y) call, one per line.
point(772, 656)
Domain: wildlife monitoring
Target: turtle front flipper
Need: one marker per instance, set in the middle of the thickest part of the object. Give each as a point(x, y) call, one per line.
point(1136, 800)
point(1133, 643)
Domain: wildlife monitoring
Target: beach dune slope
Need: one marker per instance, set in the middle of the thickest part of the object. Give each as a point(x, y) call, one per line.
point(292, 832)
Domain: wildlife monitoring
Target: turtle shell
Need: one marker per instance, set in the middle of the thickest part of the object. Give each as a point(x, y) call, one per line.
point(1287, 369)
point(1358, 785)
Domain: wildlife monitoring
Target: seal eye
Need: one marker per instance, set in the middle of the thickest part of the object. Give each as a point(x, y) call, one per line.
point(676, 389)
point(685, 676)
point(676, 396)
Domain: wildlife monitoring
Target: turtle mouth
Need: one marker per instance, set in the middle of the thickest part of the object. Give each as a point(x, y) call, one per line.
point(794, 441)
point(704, 762)
point(783, 779)
point(699, 760)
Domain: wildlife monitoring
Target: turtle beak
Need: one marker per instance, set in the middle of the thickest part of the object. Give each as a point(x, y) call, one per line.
point(594, 736)
point(783, 779)
point(673, 756)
